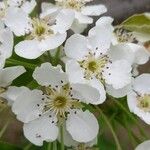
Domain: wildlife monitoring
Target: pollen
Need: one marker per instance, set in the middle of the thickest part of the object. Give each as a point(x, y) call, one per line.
point(72, 4)
point(144, 102)
point(41, 28)
point(93, 66)
point(60, 101)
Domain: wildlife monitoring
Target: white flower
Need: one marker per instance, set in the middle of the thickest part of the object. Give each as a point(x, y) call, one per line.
point(144, 146)
point(82, 12)
point(131, 46)
point(43, 111)
point(24, 5)
point(69, 142)
point(139, 98)
point(6, 45)
point(91, 61)
point(42, 34)
point(7, 75)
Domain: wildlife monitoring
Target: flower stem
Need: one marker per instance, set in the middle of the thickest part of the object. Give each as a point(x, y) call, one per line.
point(4, 129)
point(28, 146)
point(110, 127)
point(55, 145)
point(49, 146)
point(131, 117)
point(62, 136)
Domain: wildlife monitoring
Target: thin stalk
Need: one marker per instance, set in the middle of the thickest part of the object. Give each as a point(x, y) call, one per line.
point(27, 147)
point(22, 63)
point(49, 146)
point(2, 131)
point(131, 117)
point(110, 127)
point(55, 145)
point(62, 137)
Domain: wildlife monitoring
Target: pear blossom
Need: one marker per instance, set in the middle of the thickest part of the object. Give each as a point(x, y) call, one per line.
point(139, 97)
point(25, 5)
point(6, 44)
point(41, 34)
point(58, 102)
point(90, 59)
point(83, 12)
point(143, 146)
point(7, 75)
point(128, 46)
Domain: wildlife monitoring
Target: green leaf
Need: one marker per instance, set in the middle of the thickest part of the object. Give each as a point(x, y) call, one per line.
point(7, 146)
point(138, 23)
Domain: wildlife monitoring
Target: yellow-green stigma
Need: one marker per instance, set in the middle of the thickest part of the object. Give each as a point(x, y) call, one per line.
point(144, 102)
point(60, 101)
point(40, 30)
point(94, 66)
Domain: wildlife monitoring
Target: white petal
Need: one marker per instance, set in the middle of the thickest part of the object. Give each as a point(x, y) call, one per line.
point(93, 10)
point(83, 18)
point(118, 75)
point(142, 84)
point(87, 93)
point(76, 47)
point(52, 42)
point(121, 51)
point(78, 27)
point(141, 54)
point(74, 71)
point(25, 105)
point(118, 93)
point(132, 52)
point(28, 49)
point(17, 20)
point(64, 21)
point(28, 6)
point(82, 126)
point(7, 75)
point(47, 75)
point(40, 130)
point(68, 141)
point(100, 87)
point(12, 93)
point(106, 20)
point(144, 146)
point(6, 39)
point(98, 41)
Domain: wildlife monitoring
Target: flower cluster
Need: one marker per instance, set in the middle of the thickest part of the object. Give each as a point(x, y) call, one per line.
point(90, 67)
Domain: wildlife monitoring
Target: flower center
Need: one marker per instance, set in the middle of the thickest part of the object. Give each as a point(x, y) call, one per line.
point(41, 28)
point(60, 102)
point(144, 102)
point(94, 66)
point(124, 36)
point(72, 4)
